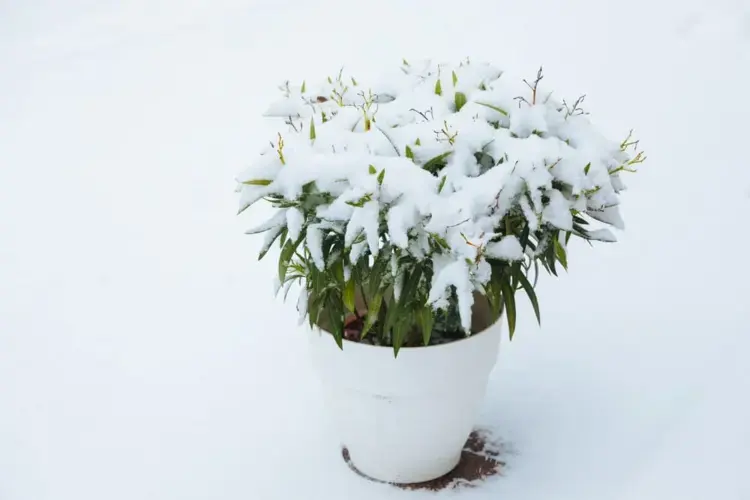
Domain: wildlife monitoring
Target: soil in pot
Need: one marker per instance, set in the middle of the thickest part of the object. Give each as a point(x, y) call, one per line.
point(447, 329)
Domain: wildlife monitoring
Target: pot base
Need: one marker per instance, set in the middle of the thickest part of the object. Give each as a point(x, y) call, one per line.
point(480, 459)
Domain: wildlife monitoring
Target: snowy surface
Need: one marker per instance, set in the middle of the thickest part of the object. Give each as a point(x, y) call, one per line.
point(142, 354)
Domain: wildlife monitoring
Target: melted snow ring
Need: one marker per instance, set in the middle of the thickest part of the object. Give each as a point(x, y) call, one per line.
point(480, 459)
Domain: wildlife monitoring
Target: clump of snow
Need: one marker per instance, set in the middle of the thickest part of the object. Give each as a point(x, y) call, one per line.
point(507, 248)
point(436, 162)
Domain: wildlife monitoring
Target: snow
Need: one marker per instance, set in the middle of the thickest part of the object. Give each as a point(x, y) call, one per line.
point(508, 248)
point(314, 238)
point(295, 219)
point(557, 211)
point(143, 355)
point(453, 274)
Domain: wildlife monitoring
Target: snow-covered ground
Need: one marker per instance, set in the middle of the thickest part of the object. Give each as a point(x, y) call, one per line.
point(142, 355)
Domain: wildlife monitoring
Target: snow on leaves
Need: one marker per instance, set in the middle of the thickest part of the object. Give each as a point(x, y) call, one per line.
point(459, 165)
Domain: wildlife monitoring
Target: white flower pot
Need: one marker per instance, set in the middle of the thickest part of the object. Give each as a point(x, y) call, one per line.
point(406, 419)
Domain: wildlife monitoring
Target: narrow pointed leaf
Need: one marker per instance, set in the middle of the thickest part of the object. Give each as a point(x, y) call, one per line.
point(258, 182)
point(426, 322)
point(530, 293)
point(510, 307)
point(286, 256)
point(410, 284)
point(372, 313)
point(336, 325)
point(399, 334)
point(436, 162)
point(460, 100)
point(495, 108)
point(560, 254)
point(349, 291)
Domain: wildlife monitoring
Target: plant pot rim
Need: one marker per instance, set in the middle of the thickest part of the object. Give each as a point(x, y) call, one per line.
point(463, 340)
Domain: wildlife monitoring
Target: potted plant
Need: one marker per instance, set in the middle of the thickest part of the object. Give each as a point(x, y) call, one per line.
point(410, 213)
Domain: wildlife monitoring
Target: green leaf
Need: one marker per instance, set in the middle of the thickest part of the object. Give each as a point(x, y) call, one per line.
point(411, 282)
point(304, 87)
point(440, 240)
point(376, 274)
point(258, 182)
point(372, 313)
point(549, 259)
point(494, 296)
point(360, 202)
point(426, 322)
point(381, 176)
point(510, 306)
point(314, 309)
point(442, 184)
point(436, 162)
point(349, 291)
point(530, 293)
point(405, 62)
point(587, 168)
point(312, 129)
point(495, 108)
point(399, 334)
point(482, 86)
point(354, 82)
point(524, 240)
point(337, 269)
point(372, 170)
point(560, 253)
point(286, 256)
point(337, 322)
point(417, 142)
point(455, 78)
point(460, 100)
point(438, 87)
point(390, 315)
point(409, 153)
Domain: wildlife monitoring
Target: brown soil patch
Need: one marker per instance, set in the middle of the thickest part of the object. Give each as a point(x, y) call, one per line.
point(479, 460)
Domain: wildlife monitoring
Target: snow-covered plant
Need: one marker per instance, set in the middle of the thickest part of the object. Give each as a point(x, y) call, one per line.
point(401, 202)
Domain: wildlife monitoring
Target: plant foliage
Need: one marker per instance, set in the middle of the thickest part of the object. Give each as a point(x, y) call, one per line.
point(399, 207)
